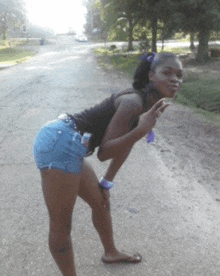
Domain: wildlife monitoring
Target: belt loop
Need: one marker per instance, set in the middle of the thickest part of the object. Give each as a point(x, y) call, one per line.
point(69, 121)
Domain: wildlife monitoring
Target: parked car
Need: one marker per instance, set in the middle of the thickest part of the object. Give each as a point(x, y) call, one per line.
point(81, 38)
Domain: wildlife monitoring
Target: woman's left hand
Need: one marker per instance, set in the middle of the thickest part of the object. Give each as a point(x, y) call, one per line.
point(148, 119)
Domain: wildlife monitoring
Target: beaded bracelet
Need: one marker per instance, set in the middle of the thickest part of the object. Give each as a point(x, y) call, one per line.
point(105, 184)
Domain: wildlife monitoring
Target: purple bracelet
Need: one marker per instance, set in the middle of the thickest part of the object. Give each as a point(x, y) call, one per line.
point(107, 185)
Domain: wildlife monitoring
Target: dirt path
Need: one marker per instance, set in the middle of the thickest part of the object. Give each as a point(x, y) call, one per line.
point(190, 148)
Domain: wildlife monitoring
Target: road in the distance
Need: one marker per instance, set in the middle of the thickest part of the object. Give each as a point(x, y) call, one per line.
point(148, 217)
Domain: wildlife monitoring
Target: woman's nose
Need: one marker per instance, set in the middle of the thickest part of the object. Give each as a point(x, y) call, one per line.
point(174, 78)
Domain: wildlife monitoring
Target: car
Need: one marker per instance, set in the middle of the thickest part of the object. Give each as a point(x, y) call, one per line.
point(81, 38)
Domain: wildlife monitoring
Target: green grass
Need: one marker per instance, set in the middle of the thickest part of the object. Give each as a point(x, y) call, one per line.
point(12, 53)
point(125, 64)
point(200, 89)
point(176, 50)
point(118, 59)
point(202, 94)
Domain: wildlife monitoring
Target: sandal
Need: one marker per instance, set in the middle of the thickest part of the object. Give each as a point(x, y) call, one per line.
point(135, 258)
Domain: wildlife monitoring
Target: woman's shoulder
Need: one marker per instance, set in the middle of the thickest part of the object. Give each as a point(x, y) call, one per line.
point(129, 98)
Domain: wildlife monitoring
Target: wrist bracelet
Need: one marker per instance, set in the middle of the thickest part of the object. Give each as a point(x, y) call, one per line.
point(107, 185)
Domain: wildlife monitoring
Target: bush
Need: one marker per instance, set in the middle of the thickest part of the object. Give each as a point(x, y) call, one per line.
point(215, 53)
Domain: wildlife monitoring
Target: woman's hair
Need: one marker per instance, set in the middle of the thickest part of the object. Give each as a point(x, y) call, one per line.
point(149, 63)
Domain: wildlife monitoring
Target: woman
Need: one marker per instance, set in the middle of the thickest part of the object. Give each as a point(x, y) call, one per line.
point(116, 125)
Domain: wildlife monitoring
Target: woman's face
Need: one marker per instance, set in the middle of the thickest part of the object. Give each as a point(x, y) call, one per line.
point(167, 77)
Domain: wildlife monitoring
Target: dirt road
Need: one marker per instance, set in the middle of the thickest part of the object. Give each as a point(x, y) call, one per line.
point(166, 202)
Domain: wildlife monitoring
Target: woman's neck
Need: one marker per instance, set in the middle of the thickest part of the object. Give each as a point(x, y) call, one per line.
point(152, 94)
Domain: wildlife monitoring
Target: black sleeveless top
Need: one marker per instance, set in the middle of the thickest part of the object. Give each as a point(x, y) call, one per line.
point(96, 119)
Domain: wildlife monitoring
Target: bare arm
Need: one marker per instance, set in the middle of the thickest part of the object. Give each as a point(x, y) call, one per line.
point(118, 148)
point(116, 164)
point(119, 136)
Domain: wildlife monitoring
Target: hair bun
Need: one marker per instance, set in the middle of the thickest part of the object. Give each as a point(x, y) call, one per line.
point(148, 57)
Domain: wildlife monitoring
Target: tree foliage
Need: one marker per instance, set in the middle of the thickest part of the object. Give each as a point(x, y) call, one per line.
point(156, 15)
point(121, 14)
point(201, 17)
point(12, 13)
point(165, 17)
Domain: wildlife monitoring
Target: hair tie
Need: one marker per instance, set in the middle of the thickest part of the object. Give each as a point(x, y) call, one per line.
point(148, 57)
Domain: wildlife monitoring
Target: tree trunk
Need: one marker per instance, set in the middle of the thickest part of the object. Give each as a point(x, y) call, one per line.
point(192, 38)
point(4, 35)
point(130, 31)
point(154, 34)
point(202, 53)
point(4, 26)
point(4, 31)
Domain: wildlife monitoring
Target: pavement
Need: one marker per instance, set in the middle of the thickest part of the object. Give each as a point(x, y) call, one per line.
point(4, 66)
point(172, 223)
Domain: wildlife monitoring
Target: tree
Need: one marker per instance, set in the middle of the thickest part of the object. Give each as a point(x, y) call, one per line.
point(12, 13)
point(158, 12)
point(202, 17)
point(189, 16)
point(93, 20)
point(132, 12)
point(117, 11)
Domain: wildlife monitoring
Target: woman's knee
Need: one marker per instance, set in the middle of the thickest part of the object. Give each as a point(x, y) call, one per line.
point(100, 204)
point(59, 242)
point(60, 228)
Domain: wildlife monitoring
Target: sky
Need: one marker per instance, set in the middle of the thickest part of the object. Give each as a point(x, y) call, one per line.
point(59, 15)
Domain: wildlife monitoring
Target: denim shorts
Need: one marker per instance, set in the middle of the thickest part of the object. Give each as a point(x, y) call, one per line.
point(58, 146)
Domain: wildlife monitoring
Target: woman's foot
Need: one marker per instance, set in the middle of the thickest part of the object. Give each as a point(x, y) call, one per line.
point(122, 257)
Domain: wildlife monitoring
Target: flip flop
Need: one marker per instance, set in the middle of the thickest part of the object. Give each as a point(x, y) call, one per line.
point(136, 258)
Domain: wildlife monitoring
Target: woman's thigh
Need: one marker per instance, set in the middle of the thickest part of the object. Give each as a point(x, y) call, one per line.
point(60, 190)
point(89, 189)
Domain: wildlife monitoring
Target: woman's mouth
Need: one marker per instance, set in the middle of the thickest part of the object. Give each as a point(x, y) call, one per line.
point(174, 88)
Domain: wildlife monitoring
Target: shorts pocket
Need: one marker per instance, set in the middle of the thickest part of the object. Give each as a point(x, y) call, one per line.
point(47, 139)
point(76, 147)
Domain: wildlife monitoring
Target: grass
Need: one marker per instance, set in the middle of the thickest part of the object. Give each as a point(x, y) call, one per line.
point(200, 89)
point(10, 43)
point(202, 94)
point(118, 60)
point(127, 62)
point(12, 53)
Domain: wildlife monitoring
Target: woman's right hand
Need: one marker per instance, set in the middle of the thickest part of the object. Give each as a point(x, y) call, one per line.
point(148, 119)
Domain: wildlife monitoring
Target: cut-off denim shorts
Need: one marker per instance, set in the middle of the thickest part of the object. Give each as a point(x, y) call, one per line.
point(58, 146)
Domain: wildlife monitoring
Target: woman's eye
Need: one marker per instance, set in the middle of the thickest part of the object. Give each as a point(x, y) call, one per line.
point(167, 73)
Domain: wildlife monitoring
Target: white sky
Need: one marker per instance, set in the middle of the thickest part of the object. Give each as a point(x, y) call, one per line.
point(58, 15)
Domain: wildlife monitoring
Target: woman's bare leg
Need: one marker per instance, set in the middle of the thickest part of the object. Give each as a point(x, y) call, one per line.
point(60, 190)
point(90, 192)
